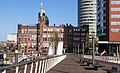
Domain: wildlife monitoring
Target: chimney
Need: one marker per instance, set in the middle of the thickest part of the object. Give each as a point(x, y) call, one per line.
point(67, 24)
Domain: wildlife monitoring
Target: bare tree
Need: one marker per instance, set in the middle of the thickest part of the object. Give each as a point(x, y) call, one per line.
point(87, 44)
point(54, 41)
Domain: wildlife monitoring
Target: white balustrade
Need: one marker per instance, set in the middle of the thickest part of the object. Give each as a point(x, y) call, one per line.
point(36, 67)
point(104, 58)
point(41, 65)
point(25, 70)
point(31, 69)
point(17, 69)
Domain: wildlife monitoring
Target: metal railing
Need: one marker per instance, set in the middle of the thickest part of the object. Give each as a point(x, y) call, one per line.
point(111, 59)
point(38, 65)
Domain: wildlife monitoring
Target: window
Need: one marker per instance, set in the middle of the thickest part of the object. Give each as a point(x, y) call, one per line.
point(115, 29)
point(45, 30)
point(28, 39)
point(25, 30)
point(115, 23)
point(115, 2)
point(22, 30)
point(115, 9)
point(115, 16)
point(44, 39)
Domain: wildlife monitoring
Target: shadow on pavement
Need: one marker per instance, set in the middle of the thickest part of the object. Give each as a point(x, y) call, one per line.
point(89, 68)
point(59, 71)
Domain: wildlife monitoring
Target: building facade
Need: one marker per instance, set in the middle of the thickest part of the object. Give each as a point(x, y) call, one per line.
point(27, 38)
point(108, 25)
point(38, 37)
point(12, 38)
point(47, 33)
point(74, 37)
point(87, 14)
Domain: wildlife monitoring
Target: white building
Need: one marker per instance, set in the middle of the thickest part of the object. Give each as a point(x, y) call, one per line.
point(12, 38)
point(87, 14)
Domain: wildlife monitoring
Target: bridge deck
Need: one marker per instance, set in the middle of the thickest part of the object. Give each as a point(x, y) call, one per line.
point(70, 65)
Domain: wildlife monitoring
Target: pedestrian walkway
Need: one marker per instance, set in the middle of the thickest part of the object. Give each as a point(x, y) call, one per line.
point(71, 65)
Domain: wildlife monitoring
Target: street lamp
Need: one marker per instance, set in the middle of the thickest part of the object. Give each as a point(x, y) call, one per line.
point(78, 50)
point(16, 51)
point(83, 50)
point(93, 47)
point(118, 53)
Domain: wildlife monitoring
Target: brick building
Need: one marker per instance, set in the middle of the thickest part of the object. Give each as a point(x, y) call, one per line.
point(27, 38)
point(38, 37)
point(46, 32)
point(108, 25)
point(74, 37)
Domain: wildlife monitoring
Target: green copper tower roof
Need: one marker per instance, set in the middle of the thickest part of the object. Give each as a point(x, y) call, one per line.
point(43, 13)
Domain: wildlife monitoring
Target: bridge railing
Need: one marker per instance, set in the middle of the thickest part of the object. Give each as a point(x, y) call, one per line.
point(38, 65)
point(104, 58)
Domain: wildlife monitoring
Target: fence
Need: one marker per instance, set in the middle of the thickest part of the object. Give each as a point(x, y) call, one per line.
point(104, 58)
point(38, 65)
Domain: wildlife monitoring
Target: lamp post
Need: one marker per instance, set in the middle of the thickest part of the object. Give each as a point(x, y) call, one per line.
point(75, 50)
point(93, 47)
point(83, 50)
point(16, 51)
point(118, 53)
point(78, 50)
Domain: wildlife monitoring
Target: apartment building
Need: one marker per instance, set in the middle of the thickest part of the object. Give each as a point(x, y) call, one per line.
point(75, 37)
point(108, 25)
point(87, 14)
point(27, 38)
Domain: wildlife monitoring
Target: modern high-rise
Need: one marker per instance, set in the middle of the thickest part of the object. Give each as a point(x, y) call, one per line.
point(108, 25)
point(87, 14)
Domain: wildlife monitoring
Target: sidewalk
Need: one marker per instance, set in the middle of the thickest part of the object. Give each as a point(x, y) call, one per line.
point(70, 65)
